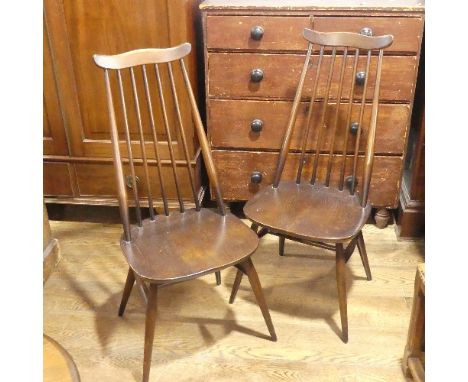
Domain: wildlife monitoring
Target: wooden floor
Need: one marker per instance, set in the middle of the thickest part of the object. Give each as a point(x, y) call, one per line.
point(200, 337)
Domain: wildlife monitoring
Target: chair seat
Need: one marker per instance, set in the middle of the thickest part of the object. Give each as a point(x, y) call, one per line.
point(309, 212)
point(187, 245)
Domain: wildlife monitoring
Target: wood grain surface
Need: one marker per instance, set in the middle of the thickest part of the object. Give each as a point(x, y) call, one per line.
point(57, 179)
point(231, 119)
point(200, 337)
point(98, 179)
point(229, 76)
point(285, 32)
point(374, 5)
point(236, 167)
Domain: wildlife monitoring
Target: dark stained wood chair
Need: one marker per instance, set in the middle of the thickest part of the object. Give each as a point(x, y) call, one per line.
point(173, 246)
point(327, 205)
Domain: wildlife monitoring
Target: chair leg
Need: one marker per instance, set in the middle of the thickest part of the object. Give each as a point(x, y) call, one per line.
point(149, 330)
point(235, 286)
point(218, 278)
point(254, 227)
point(362, 251)
point(262, 232)
point(341, 283)
point(281, 245)
point(248, 268)
point(127, 290)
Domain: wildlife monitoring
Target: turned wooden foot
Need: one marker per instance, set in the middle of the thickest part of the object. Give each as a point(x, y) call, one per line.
point(382, 217)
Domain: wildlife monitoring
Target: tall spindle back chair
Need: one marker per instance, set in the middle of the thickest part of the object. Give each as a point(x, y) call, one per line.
point(176, 245)
point(328, 202)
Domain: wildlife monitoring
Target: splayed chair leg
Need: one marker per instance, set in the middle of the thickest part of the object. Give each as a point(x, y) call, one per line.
point(127, 290)
point(341, 284)
point(281, 245)
point(151, 310)
point(248, 268)
point(235, 286)
point(254, 227)
point(362, 251)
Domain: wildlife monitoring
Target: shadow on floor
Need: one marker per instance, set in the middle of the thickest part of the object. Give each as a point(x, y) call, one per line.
point(191, 304)
point(314, 297)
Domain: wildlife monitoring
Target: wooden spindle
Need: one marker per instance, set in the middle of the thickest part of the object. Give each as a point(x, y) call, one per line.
point(361, 113)
point(205, 147)
point(292, 121)
point(169, 137)
point(369, 160)
point(142, 143)
point(182, 134)
point(129, 150)
point(338, 104)
point(309, 116)
point(155, 140)
point(123, 206)
point(348, 120)
point(321, 126)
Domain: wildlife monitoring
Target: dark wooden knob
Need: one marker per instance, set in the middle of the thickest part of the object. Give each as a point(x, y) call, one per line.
point(360, 78)
point(256, 75)
point(366, 31)
point(353, 128)
point(256, 33)
point(256, 177)
point(349, 182)
point(256, 125)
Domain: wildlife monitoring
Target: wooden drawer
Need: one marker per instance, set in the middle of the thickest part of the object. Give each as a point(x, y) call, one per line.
point(229, 76)
point(406, 31)
point(99, 180)
point(230, 122)
point(56, 178)
point(235, 168)
point(285, 32)
point(233, 32)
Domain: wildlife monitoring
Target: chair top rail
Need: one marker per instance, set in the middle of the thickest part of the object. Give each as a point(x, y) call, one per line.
point(348, 39)
point(142, 57)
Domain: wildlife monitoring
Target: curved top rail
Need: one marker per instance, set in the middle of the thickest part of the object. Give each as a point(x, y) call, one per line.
point(347, 39)
point(142, 57)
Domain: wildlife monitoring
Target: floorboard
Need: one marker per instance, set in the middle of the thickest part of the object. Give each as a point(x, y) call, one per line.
point(200, 337)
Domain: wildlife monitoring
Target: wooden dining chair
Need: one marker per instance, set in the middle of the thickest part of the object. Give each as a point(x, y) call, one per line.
point(328, 202)
point(177, 245)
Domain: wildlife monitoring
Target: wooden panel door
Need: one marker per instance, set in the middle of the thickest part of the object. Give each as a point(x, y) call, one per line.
point(54, 138)
point(79, 29)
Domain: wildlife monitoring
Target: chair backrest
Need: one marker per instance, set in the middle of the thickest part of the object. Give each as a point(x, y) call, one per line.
point(340, 84)
point(145, 71)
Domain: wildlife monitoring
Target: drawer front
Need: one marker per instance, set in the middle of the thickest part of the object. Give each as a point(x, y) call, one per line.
point(99, 180)
point(285, 32)
point(235, 169)
point(406, 31)
point(56, 179)
point(230, 125)
point(234, 32)
point(230, 76)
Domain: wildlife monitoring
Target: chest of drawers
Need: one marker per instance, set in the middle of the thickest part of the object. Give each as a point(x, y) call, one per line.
point(254, 51)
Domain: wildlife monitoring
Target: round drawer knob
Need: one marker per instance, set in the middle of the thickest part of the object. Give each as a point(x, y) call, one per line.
point(256, 33)
point(366, 31)
point(256, 177)
point(256, 125)
point(129, 181)
point(360, 78)
point(349, 182)
point(256, 75)
point(353, 128)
